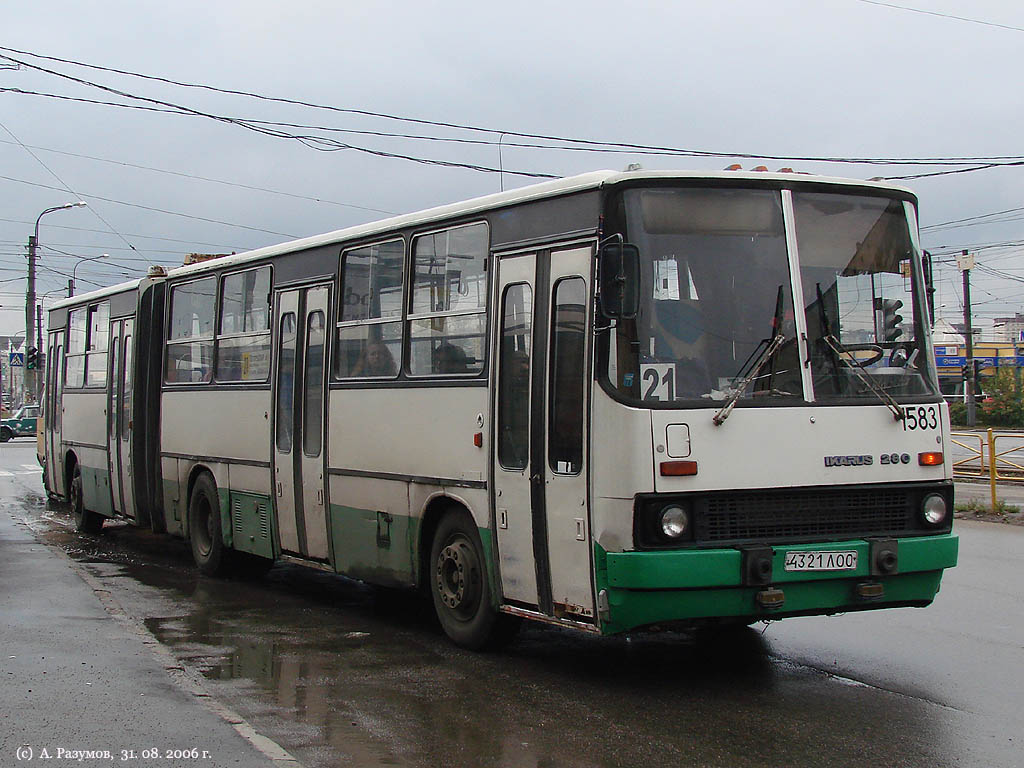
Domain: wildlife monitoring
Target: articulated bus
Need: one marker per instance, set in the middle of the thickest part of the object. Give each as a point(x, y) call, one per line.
point(613, 402)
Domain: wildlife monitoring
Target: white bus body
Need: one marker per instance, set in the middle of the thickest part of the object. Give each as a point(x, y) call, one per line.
point(446, 400)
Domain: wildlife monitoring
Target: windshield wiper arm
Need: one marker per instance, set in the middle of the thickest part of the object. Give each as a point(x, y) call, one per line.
point(837, 346)
point(737, 392)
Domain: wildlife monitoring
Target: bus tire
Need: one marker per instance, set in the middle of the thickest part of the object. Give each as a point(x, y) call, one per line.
point(205, 534)
point(85, 521)
point(459, 583)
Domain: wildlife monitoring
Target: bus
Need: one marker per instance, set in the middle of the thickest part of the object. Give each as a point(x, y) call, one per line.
point(614, 402)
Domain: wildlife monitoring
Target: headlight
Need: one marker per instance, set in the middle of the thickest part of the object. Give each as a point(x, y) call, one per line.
point(675, 522)
point(934, 509)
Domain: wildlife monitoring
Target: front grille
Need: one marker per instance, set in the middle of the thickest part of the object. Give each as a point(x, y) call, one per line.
point(767, 515)
point(780, 515)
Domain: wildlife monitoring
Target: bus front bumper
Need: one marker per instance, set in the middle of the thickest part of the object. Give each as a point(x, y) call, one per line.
point(641, 589)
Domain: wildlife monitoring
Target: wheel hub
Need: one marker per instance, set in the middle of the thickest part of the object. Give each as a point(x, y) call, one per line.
point(458, 578)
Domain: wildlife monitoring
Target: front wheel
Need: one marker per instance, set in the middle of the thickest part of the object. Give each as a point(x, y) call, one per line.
point(460, 586)
point(208, 548)
point(5, 434)
point(85, 521)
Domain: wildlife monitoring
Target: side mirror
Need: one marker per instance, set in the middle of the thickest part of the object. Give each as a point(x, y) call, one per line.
point(619, 271)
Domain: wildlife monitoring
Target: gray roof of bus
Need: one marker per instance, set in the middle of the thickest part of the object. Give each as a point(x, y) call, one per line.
point(582, 182)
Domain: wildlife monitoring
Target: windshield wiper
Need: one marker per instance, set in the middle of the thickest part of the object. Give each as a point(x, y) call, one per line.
point(723, 413)
point(851, 362)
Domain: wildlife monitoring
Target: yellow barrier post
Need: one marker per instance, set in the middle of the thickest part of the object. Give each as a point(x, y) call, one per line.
point(992, 465)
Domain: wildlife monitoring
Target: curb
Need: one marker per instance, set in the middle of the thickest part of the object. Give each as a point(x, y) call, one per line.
point(180, 676)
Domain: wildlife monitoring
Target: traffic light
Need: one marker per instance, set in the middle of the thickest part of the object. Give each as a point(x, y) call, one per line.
point(31, 358)
point(889, 322)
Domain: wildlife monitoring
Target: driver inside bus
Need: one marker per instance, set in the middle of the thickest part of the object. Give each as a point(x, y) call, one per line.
point(677, 337)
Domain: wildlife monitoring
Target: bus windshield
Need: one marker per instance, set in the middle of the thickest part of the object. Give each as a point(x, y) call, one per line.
point(716, 314)
point(715, 292)
point(859, 283)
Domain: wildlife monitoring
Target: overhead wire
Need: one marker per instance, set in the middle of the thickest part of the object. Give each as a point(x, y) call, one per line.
point(942, 15)
point(88, 196)
point(596, 144)
point(196, 177)
point(313, 142)
point(64, 184)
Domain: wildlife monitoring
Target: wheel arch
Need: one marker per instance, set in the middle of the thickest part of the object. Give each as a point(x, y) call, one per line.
point(70, 462)
point(436, 507)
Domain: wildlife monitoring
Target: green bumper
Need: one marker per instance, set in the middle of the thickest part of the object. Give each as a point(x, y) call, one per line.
point(644, 588)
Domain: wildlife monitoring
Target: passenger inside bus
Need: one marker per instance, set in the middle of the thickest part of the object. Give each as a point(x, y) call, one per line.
point(449, 358)
point(376, 360)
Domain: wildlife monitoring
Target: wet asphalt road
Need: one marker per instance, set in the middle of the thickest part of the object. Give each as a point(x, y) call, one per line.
point(340, 674)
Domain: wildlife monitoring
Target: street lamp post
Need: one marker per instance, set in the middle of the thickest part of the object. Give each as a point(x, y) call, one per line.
point(30, 296)
point(71, 282)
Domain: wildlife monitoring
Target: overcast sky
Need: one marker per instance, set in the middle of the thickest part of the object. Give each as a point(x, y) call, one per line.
point(804, 78)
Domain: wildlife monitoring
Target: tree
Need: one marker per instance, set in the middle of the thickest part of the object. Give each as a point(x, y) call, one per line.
point(1003, 406)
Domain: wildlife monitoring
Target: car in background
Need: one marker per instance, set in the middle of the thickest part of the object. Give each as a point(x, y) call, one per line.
point(22, 423)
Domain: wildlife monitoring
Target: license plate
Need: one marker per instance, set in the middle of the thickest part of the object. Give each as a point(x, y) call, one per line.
point(821, 561)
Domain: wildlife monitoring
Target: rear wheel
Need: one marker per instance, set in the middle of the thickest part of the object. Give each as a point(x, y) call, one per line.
point(85, 521)
point(5, 434)
point(460, 587)
point(208, 548)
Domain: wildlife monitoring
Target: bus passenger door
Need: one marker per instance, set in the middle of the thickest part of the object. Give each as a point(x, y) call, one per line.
point(119, 417)
point(124, 442)
point(564, 419)
point(540, 474)
point(53, 413)
point(513, 354)
point(299, 399)
point(113, 412)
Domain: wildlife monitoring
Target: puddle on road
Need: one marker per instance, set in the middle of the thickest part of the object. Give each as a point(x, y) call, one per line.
point(341, 674)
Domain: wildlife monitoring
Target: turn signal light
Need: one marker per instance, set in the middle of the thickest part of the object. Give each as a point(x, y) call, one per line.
point(930, 459)
point(678, 468)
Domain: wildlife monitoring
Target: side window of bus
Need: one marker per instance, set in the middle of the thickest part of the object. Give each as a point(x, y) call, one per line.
point(88, 338)
point(96, 345)
point(448, 314)
point(74, 371)
point(190, 332)
point(243, 338)
point(369, 330)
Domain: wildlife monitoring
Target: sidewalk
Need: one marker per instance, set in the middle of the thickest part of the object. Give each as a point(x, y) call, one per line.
point(79, 676)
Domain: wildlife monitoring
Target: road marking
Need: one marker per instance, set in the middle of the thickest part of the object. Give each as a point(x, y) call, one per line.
point(5, 473)
point(33, 467)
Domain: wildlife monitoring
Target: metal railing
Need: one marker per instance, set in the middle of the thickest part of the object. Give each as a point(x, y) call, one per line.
point(974, 464)
point(998, 456)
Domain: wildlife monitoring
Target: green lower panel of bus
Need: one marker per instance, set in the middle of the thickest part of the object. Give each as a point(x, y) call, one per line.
point(645, 588)
point(383, 548)
point(377, 547)
point(251, 523)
